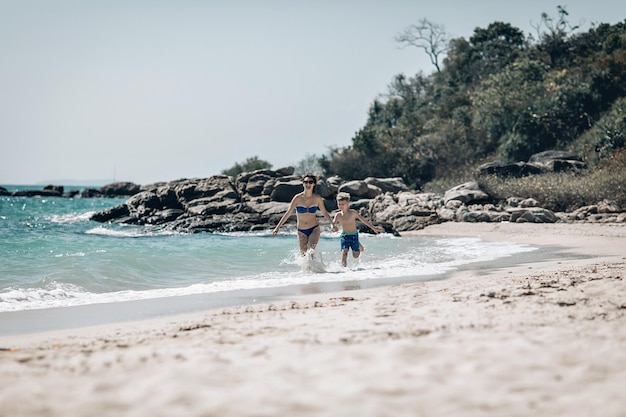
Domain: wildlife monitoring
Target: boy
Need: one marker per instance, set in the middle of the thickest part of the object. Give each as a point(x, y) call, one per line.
point(347, 217)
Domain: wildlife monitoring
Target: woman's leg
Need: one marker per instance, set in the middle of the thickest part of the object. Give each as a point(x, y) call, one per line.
point(303, 241)
point(314, 238)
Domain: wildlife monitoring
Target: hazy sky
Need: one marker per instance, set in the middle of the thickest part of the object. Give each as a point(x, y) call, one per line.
point(155, 90)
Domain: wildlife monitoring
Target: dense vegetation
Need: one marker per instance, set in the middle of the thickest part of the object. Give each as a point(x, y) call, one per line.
point(250, 164)
point(567, 191)
point(500, 95)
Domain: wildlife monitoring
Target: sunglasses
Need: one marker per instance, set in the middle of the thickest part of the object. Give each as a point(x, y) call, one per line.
point(308, 182)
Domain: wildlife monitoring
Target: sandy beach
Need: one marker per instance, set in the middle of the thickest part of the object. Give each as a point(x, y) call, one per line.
point(545, 338)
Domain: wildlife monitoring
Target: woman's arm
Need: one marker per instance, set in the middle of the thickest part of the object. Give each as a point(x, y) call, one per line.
point(320, 204)
point(334, 222)
point(287, 214)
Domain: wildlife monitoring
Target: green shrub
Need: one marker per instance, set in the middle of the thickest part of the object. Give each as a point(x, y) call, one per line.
point(249, 165)
point(567, 191)
point(607, 134)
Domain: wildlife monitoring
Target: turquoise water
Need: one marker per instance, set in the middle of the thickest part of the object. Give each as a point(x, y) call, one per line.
point(53, 256)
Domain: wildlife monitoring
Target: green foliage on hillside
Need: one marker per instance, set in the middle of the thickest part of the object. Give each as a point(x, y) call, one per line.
point(250, 164)
point(567, 191)
point(498, 95)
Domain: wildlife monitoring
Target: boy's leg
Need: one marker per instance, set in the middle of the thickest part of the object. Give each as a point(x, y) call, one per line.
point(344, 257)
point(356, 247)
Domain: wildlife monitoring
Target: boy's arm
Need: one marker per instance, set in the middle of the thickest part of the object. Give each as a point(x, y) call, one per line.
point(376, 229)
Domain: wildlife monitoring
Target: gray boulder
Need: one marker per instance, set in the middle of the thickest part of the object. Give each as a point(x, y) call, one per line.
point(255, 184)
point(547, 156)
point(286, 171)
point(111, 214)
point(58, 189)
point(46, 192)
point(403, 211)
point(532, 215)
point(222, 202)
point(558, 161)
point(164, 216)
point(334, 183)
point(120, 189)
point(356, 188)
point(284, 191)
point(324, 190)
point(204, 188)
point(90, 193)
point(510, 169)
point(388, 185)
point(466, 193)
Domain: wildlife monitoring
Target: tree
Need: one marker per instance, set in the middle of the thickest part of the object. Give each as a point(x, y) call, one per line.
point(553, 38)
point(410, 89)
point(497, 94)
point(488, 51)
point(559, 28)
point(495, 48)
point(250, 164)
point(309, 165)
point(426, 35)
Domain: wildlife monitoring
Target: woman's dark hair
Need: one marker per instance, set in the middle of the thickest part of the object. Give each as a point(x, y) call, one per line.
point(312, 178)
point(309, 175)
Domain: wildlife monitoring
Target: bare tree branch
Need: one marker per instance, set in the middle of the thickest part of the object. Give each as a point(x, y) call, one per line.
point(558, 28)
point(426, 35)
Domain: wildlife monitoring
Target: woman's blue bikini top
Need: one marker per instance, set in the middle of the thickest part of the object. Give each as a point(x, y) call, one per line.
point(302, 209)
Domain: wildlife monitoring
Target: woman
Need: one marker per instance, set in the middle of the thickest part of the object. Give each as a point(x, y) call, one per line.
point(306, 204)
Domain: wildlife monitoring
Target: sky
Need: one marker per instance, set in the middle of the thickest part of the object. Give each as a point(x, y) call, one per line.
point(156, 90)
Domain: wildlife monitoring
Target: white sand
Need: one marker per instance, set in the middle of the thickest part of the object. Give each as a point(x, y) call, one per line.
point(541, 339)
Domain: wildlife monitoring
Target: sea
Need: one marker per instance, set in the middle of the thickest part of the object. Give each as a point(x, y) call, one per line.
point(53, 256)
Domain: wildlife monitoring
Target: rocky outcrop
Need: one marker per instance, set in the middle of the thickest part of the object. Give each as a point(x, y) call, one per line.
point(120, 189)
point(406, 210)
point(468, 192)
point(113, 190)
point(47, 191)
point(251, 201)
point(510, 169)
point(360, 189)
point(414, 211)
point(387, 185)
point(256, 201)
point(539, 163)
point(603, 212)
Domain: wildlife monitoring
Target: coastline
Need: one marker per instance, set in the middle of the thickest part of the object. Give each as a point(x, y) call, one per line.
point(542, 338)
point(13, 323)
